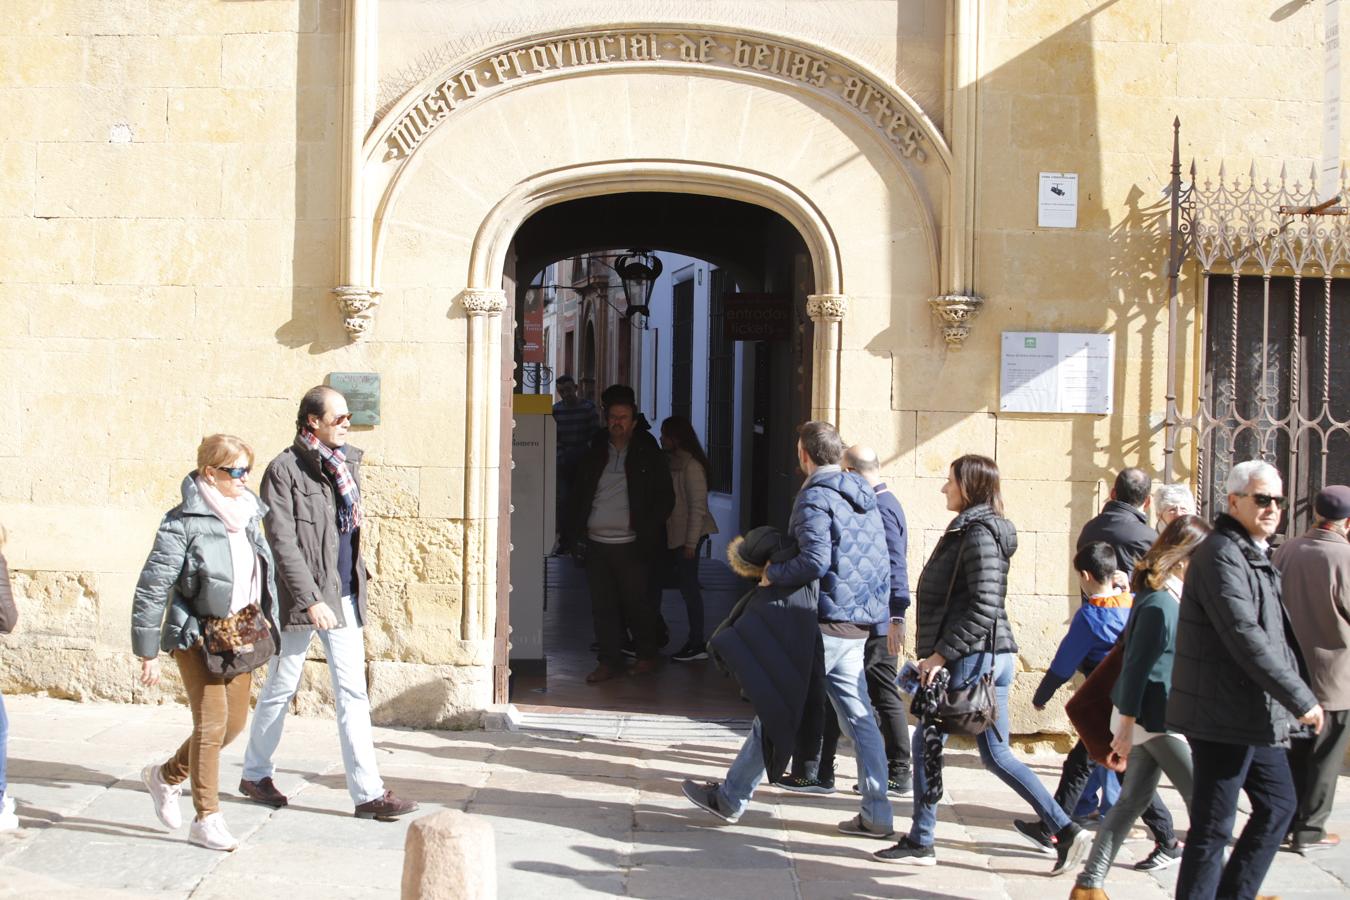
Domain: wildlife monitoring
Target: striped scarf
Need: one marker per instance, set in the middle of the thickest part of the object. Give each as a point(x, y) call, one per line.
point(335, 464)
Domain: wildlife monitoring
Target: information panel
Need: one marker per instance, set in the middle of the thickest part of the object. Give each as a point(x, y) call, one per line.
point(362, 390)
point(1049, 372)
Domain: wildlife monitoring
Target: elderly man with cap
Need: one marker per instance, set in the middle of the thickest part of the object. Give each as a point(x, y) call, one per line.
point(768, 642)
point(1315, 574)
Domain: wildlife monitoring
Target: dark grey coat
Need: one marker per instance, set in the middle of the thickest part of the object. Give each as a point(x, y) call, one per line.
point(1236, 677)
point(978, 592)
point(189, 575)
point(1125, 528)
point(302, 530)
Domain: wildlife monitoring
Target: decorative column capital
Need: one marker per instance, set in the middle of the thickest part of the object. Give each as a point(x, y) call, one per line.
point(358, 309)
point(956, 311)
point(827, 307)
point(484, 301)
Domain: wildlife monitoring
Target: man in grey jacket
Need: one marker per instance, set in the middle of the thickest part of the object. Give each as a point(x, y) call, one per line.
point(313, 494)
point(1236, 692)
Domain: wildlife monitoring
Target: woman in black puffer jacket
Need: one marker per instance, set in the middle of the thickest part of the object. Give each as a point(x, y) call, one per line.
point(961, 596)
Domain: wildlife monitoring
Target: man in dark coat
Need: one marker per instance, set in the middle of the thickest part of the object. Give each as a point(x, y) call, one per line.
point(623, 496)
point(1236, 692)
point(1123, 521)
point(768, 643)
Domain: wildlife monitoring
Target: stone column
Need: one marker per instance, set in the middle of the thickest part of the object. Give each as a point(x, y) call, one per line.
point(482, 454)
point(827, 316)
point(355, 293)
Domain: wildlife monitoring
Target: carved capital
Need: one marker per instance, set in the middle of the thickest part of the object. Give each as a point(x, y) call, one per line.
point(956, 311)
point(826, 307)
point(484, 301)
point(358, 309)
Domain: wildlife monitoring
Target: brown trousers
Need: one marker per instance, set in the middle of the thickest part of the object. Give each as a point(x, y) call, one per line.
point(219, 711)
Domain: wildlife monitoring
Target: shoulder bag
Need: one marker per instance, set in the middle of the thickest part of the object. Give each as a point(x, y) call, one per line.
point(238, 643)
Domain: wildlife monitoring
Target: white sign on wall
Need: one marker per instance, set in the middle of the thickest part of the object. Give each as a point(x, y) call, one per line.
point(1057, 200)
point(1048, 372)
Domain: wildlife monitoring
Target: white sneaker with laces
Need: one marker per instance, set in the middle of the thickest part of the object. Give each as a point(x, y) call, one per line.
point(8, 820)
point(164, 797)
point(212, 833)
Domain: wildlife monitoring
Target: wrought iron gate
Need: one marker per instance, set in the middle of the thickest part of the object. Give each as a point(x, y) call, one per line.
point(1274, 382)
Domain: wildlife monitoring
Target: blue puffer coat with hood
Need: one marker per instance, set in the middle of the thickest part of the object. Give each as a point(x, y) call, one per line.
point(842, 542)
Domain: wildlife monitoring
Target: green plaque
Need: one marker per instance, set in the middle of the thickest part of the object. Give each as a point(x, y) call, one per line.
point(362, 390)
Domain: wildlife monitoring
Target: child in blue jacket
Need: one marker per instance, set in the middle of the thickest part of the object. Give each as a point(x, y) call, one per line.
point(1091, 635)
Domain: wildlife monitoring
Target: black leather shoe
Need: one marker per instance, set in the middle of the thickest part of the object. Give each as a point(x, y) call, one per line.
point(386, 807)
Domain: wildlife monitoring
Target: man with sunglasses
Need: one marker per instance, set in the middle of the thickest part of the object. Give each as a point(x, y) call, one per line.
point(313, 494)
point(1237, 691)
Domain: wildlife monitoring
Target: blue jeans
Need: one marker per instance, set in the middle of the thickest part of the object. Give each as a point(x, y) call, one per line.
point(4, 745)
point(846, 685)
point(1104, 780)
point(994, 753)
point(1221, 770)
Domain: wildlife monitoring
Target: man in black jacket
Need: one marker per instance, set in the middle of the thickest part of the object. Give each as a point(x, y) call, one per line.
point(1236, 691)
point(623, 496)
point(1123, 521)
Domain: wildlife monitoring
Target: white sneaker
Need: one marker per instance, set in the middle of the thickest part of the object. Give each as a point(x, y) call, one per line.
point(8, 820)
point(164, 796)
point(212, 833)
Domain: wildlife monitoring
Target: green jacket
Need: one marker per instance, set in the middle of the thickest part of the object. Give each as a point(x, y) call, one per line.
point(1146, 671)
point(189, 575)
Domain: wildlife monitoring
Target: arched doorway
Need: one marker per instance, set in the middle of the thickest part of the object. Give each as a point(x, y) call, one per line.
point(447, 206)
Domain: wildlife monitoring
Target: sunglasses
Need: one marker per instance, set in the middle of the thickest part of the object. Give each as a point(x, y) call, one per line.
point(233, 471)
point(1264, 500)
point(342, 419)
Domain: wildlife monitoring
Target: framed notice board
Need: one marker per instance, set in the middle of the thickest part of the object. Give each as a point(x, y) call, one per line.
point(1051, 372)
point(362, 390)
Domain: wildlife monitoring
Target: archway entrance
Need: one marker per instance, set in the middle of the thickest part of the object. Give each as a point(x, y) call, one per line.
point(727, 345)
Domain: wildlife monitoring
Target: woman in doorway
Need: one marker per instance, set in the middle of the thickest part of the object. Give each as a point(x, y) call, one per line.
point(689, 525)
point(210, 566)
point(1139, 697)
point(963, 629)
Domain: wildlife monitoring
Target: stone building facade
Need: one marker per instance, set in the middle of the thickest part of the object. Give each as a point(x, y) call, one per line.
point(206, 206)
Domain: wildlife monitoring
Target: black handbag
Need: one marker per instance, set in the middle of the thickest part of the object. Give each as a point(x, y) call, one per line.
point(238, 643)
point(972, 708)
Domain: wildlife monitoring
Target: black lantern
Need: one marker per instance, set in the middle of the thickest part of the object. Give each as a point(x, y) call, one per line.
point(638, 270)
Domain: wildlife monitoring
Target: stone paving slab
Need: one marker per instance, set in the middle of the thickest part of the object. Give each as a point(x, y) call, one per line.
point(573, 816)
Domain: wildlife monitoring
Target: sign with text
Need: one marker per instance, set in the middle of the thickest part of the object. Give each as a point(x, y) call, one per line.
point(1047, 372)
point(362, 390)
point(758, 317)
point(1057, 200)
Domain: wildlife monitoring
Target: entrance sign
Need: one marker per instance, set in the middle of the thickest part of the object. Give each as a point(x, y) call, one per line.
point(1046, 372)
point(901, 126)
point(362, 390)
point(757, 317)
point(1057, 200)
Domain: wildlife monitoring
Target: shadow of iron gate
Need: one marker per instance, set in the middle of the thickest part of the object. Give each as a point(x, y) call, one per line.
point(1270, 311)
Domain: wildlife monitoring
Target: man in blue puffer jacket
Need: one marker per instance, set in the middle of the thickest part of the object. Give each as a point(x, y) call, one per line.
point(842, 542)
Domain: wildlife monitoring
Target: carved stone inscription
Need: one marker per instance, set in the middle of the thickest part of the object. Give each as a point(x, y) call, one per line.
point(784, 61)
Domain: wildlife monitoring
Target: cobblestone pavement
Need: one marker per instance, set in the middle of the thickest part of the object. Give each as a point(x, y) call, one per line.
point(572, 815)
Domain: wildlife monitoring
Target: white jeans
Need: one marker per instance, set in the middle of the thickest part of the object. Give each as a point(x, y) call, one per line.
point(346, 652)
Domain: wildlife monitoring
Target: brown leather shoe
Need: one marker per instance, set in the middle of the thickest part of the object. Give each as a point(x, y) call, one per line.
point(386, 807)
point(603, 672)
point(264, 792)
point(1087, 893)
point(1326, 843)
point(647, 666)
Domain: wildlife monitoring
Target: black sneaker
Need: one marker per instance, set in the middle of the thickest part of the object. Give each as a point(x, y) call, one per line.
point(705, 797)
point(803, 784)
point(857, 826)
point(907, 853)
point(1161, 858)
point(893, 788)
point(690, 653)
point(1072, 843)
point(629, 650)
point(1036, 835)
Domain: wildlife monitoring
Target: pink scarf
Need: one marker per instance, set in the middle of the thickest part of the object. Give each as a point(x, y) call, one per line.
point(235, 512)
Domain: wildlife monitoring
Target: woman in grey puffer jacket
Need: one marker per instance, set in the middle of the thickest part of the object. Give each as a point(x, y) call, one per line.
point(961, 599)
point(210, 560)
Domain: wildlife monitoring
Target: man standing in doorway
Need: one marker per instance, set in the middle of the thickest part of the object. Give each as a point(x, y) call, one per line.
point(313, 494)
point(1315, 578)
point(1236, 692)
point(842, 542)
point(576, 422)
point(622, 498)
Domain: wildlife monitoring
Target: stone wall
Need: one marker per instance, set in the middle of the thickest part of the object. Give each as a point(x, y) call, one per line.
point(169, 204)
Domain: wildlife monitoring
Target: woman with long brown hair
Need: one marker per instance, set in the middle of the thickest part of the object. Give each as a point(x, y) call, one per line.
point(1139, 697)
point(963, 628)
point(689, 525)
